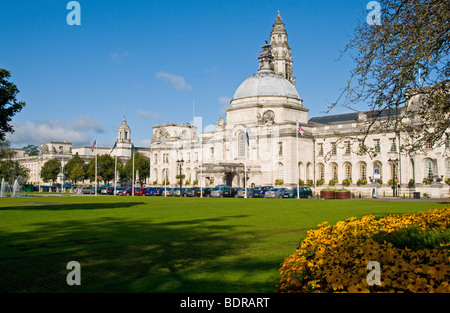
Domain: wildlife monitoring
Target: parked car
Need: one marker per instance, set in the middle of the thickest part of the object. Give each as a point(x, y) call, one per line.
point(176, 192)
point(259, 192)
point(140, 192)
point(241, 193)
point(119, 190)
point(129, 191)
point(157, 191)
point(192, 192)
point(206, 192)
point(275, 193)
point(219, 191)
point(93, 190)
point(167, 192)
point(304, 192)
point(86, 190)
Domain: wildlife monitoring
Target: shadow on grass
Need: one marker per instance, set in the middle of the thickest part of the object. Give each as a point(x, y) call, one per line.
point(55, 206)
point(199, 255)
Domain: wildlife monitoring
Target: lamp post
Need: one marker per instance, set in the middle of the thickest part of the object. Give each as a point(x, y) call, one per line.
point(180, 166)
point(393, 162)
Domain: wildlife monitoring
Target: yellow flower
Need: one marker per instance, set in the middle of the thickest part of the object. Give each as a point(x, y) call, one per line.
point(438, 272)
point(357, 289)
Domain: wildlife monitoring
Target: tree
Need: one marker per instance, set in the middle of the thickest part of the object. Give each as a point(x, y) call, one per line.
point(77, 173)
point(31, 150)
point(50, 170)
point(105, 168)
point(402, 71)
point(141, 166)
point(8, 167)
point(9, 105)
point(75, 161)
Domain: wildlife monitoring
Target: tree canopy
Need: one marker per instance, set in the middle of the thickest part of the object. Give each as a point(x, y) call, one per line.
point(402, 72)
point(9, 105)
point(50, 170)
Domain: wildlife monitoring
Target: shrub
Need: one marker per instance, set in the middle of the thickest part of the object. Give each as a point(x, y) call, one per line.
point(361, 182)
point(301, 182)
point(411, 183)
point(447, 181)
point(279, 182)
point(391, 182)
point(412, 250)
point(333, 182)
point(347, 182)
point(320, 182)
point(310, 182)
point(426, 181)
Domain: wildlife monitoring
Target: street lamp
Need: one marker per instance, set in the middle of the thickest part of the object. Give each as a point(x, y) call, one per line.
point(393, 162)
point(180, 166)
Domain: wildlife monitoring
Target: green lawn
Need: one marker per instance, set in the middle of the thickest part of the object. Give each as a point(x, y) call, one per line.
point(141, 244)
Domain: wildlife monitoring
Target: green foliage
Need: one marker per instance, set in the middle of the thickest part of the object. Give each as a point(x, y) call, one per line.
point(77, 173)
point(105, 168)
point(426, 181)
point(9, 105)
point(141, 166)
point(31, 150)
point(347, 182)
point(8, 167)
point(361, 182)
point(414, 238)
point(333, 182)
point(50, 170)
point(320, 182)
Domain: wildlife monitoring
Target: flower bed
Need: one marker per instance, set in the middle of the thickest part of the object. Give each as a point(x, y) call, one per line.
point(412, 250)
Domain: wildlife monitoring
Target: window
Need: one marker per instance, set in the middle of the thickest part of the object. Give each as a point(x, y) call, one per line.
point(447, 168)
point(196, 156)
point(241, 145)
point(321, 171)
point(334, 171)
point(362, 170)
point(348, 170)
point(447, 141)
point(165, 175)
point(377, 166)
point(333, 148)
point(166, 158)
point(394, 170)
point(212, 153)
point(280, 148)
point(308, 171)
point(280, 171)
point(320, 146)
point(428, 145)
point(393, 145)
point(377, 145)
point(155, 174)
point(188, 159)
point(429, 169)
point(348, 148)
point(156, 159)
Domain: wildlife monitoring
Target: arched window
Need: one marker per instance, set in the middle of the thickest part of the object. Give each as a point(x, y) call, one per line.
point(321, 171)
point(447, 168)
point(165, 174)
point(241, 144)
point(429, 173)
point(362, 170)
point(394, 170)
point(348, 170)
point(334, 171)
point(155, 175)
point(301, 171)
point(377, 166)
point(308, 171)
point(280, 171)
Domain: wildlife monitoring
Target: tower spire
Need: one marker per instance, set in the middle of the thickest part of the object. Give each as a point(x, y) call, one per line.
point(281, 51)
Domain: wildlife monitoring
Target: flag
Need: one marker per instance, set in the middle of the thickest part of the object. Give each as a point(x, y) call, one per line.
point(300, 130)
point(115, 145)
point(93, 145)
point(248, 139)
point(39, 155)
point(131, 147)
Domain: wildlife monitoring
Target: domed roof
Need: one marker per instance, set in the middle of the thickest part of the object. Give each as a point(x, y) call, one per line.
point(266, 82)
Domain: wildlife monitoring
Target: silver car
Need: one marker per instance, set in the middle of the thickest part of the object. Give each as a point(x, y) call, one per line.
point(241, 193)
point(275, 193)
point(167, 192)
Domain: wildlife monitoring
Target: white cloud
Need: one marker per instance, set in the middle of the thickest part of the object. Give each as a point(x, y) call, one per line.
point(224, 103)
point(178, 82)
point(78, 132)
point(154, 117)
point(117, 57)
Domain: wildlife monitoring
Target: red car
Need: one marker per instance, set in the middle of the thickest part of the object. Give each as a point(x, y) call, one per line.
point(128, 191)
point(140, 191)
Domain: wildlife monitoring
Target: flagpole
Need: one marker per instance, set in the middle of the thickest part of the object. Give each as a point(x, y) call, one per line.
point(298, 176)
point(245, 166)
point(132, 182)
point(96, 166)
point(115, 174)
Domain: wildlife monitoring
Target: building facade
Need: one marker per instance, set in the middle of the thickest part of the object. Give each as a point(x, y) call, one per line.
point(259, 144)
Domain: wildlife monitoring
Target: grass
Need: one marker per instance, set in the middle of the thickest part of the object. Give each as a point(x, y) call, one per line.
point(152, 244)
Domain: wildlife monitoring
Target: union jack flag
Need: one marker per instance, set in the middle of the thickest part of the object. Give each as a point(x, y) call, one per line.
point(93, 145)
point(300, 130)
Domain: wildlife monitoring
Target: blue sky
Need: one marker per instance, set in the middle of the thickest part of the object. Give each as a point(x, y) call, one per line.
point(149, 60)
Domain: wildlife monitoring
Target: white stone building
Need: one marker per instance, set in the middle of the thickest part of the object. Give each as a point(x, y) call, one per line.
point(260, 137)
